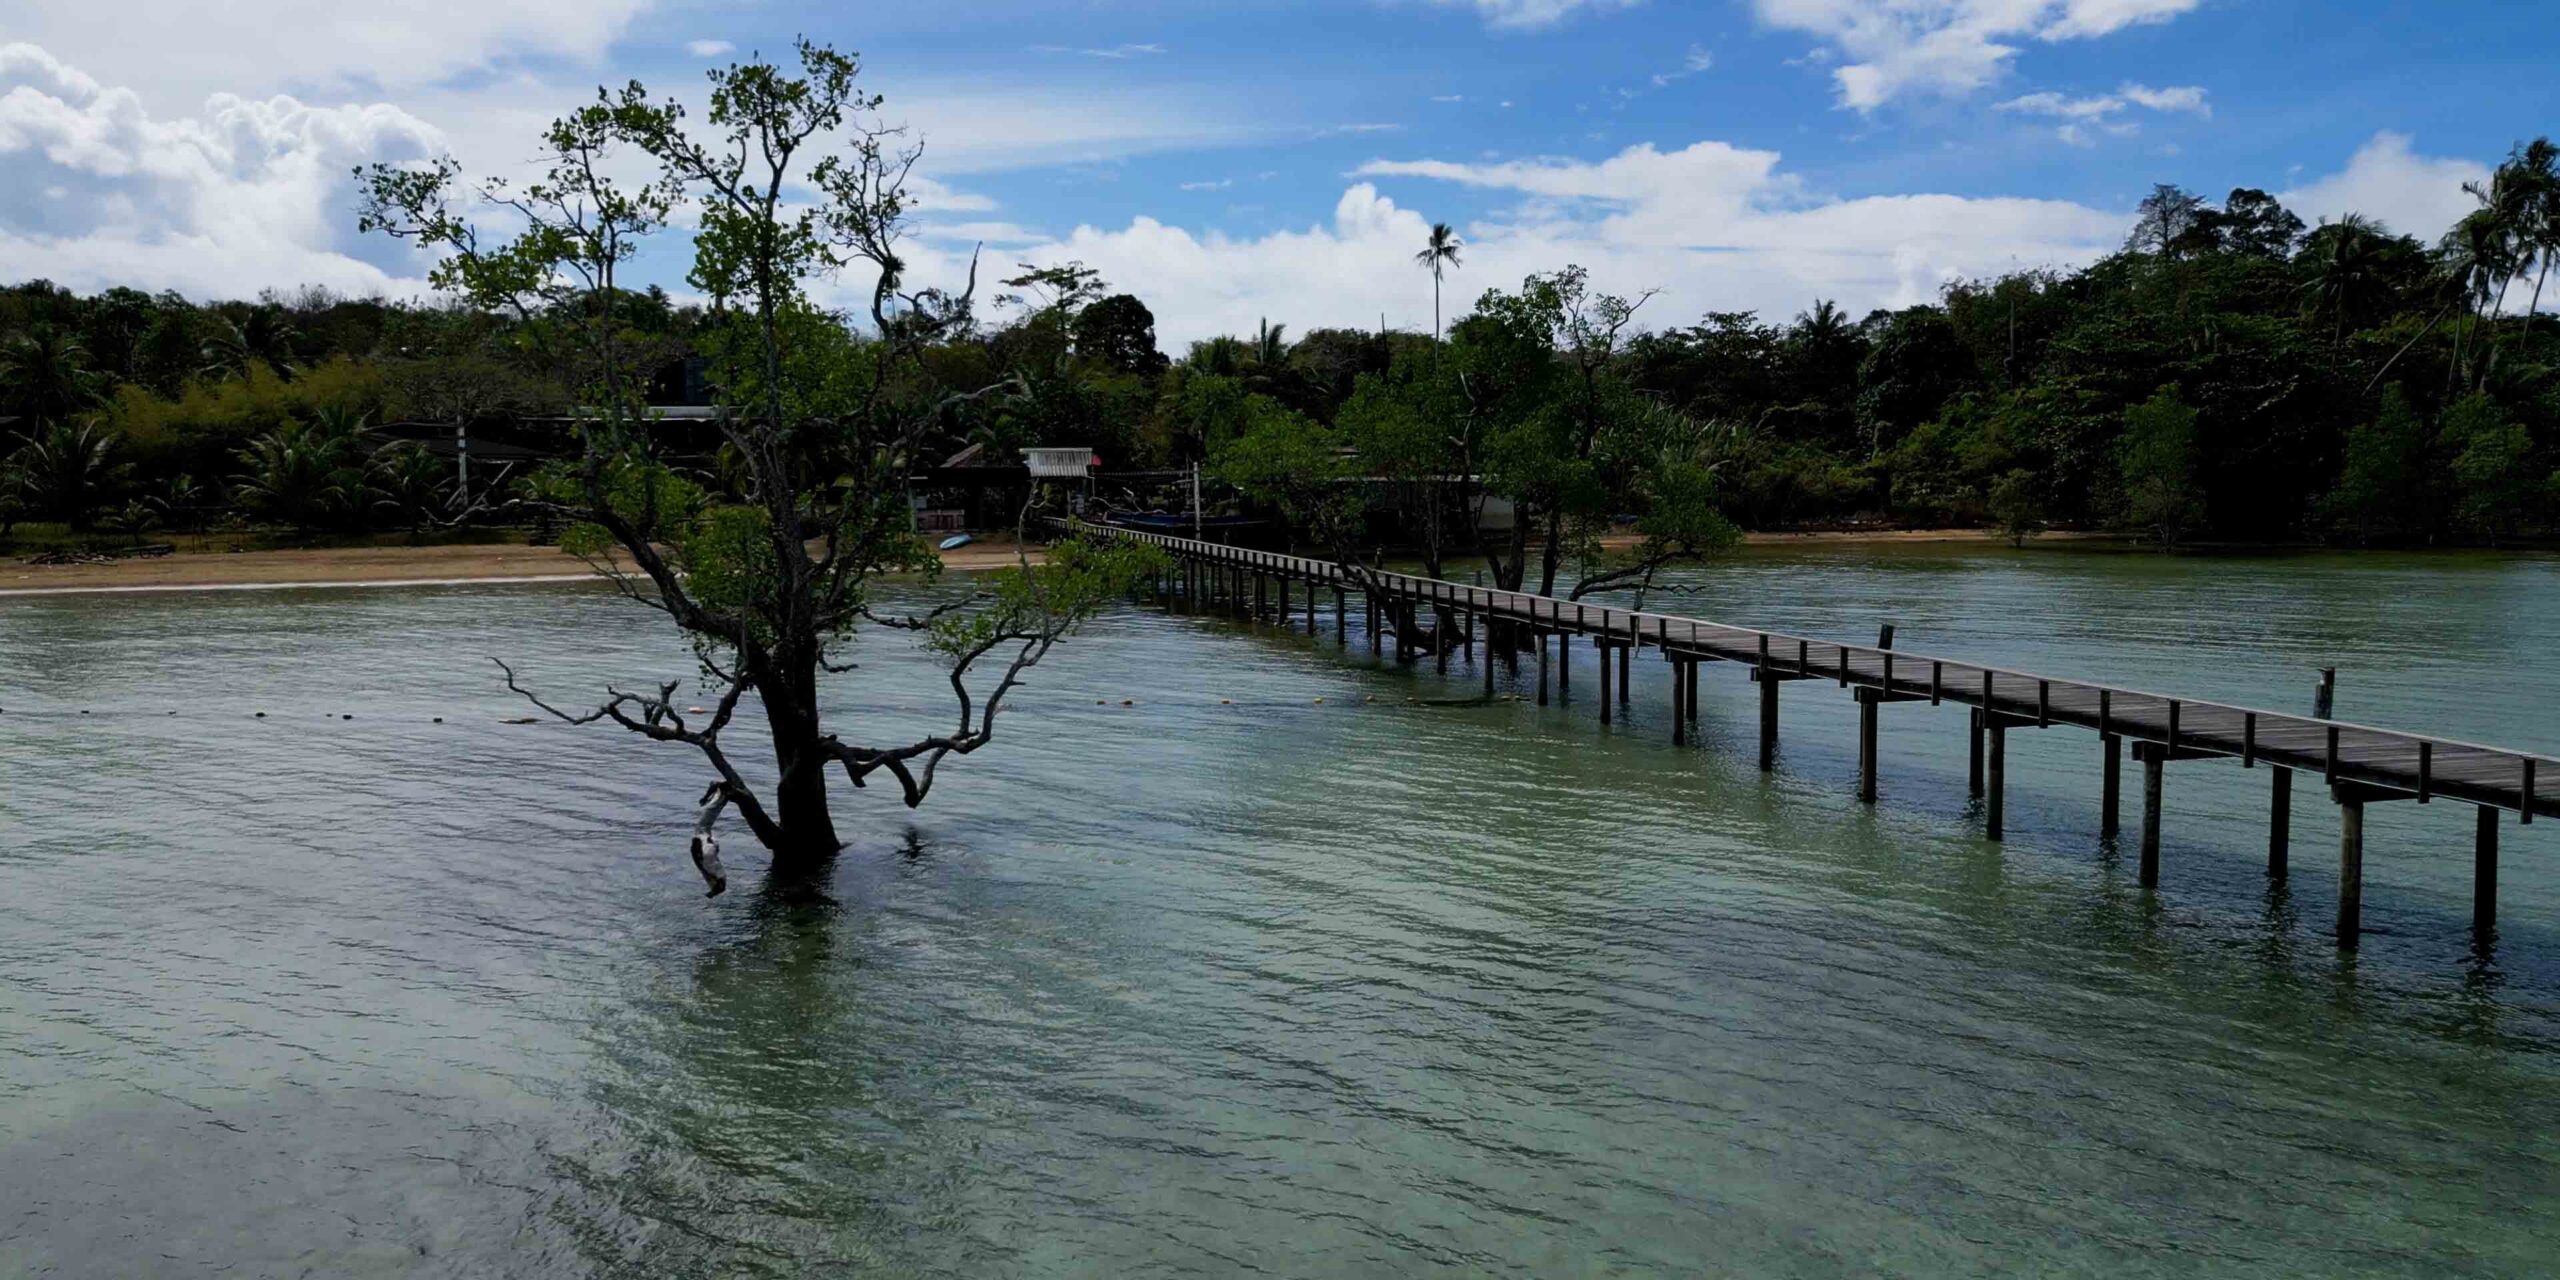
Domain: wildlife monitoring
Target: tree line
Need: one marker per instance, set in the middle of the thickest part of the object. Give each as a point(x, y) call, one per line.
point(2230, 373)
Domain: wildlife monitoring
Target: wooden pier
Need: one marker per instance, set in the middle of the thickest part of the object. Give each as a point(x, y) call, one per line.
point(2359, 764)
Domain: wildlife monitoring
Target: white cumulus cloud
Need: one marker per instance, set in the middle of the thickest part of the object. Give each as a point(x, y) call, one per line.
point(1531, 14)
point(2389, 181)
point(710, 48)
point(1711, 225)
point(178, 52)
point(243, 195)
point(1886, 48)
point(2101, 111)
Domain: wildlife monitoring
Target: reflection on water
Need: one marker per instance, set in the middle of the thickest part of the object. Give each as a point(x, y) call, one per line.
point(1189, 988)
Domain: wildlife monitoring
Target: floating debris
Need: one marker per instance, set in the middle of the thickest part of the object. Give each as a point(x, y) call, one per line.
point(521, 720)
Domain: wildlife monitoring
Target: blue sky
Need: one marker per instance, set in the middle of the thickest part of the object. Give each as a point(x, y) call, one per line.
point(1238, 160)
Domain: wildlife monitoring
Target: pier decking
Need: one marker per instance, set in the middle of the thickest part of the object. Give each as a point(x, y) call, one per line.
point(2360, 764)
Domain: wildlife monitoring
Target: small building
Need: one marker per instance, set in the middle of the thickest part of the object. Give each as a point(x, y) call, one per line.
point(1076, 463)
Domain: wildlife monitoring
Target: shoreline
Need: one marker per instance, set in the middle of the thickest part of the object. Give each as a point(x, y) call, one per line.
point(472, 564)
point(350, 568)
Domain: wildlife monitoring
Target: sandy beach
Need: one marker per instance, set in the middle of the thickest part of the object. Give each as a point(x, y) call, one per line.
point(354, 566)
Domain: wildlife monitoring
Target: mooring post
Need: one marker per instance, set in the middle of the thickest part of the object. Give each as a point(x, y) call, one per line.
point(1311, 608)
point(2484, 876)
point(2280, 824)
point(1542, 668)
point(1604, 680)
point(1973, 767)
point(2154, 764)
point(2110, 780)
point(2350, 870)
point(1341, 620)
point(1564, 666)
point(2326, 697)
point(1996, 738)
point(1768, 719)
point(1869, 701)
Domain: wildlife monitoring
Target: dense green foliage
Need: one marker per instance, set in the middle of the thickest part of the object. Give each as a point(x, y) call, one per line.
point(2231, 373)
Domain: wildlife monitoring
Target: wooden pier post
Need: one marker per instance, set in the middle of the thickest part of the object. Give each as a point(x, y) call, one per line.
point(1679, 713)
point(1542, 668)
point(1341, 621)
point(1375, 643)
point(2110, 784)
point(1626, 685)
point(1996, 740)
point(1261, 596)
point(1768, 719)
point(2350, 869)
point(1869, 701)
point(1691, 698)
point(2280, 824)
point(1605, 702)
point(2154, 764)
point(1441, 620)
point(1488, 656)
point(1311, 608)
point(1972, 771)
point(2484, 876)
point(1564, 666)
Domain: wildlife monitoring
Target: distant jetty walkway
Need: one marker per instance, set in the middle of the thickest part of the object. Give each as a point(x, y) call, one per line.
point(2359, 764)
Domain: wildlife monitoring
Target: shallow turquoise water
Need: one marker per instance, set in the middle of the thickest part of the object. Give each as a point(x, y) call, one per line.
point(1303, 989)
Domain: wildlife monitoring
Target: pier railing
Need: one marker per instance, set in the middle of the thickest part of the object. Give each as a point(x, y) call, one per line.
point(2359, 763)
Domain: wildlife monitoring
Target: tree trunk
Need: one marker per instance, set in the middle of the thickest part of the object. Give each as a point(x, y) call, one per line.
point(806, 840)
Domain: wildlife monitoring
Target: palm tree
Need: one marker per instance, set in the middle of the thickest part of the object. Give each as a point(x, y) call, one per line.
point(2530, 180)
point(2346, 268)
point(267, 337)
point(308, 475)
point(2478, 260)
point(68, 470)
point(1222, 356)
point(409, 483)
point(1269, 349)
point(1438, 254)
point(45, 373)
